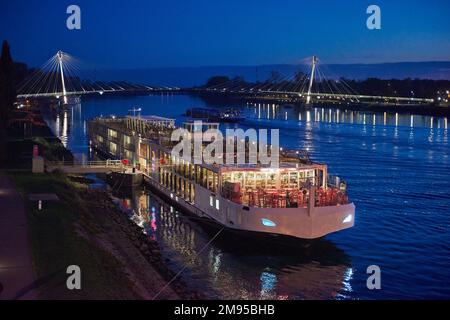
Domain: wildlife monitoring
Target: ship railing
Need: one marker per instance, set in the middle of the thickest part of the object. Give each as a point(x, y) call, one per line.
point(75, 163)
point(336, 182)
point(268, 198)
point(332, 196)
point(287, 198)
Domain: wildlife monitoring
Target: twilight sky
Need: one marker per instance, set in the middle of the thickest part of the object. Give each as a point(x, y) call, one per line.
point(164, 33)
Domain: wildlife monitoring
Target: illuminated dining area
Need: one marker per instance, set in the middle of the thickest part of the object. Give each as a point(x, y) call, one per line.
point(284, 187)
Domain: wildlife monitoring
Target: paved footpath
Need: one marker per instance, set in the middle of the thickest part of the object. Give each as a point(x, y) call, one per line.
point(16, 271)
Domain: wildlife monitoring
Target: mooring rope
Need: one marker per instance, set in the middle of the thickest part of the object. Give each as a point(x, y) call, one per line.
point(185, 265)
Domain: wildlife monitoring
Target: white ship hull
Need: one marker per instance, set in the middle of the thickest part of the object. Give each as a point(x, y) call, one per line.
point(293, 200)
point(302, 223)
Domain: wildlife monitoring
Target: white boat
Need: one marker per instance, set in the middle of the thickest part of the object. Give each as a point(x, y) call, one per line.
point(296, 199)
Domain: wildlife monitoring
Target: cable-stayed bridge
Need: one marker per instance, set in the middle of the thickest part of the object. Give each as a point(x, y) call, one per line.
point(308, 84)
point(59, 77)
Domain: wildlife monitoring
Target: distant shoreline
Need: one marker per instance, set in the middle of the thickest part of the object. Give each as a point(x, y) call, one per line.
point(426, 110)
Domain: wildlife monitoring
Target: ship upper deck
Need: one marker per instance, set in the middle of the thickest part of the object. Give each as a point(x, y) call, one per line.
point(157, 130)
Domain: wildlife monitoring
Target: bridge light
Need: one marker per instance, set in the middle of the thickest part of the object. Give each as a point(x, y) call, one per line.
point(101, 92)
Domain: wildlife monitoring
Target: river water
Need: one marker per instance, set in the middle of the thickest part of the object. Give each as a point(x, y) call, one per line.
point(397, 168)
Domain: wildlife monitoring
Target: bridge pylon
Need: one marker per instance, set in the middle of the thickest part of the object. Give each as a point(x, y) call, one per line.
point(311, 79)
point(59, 54)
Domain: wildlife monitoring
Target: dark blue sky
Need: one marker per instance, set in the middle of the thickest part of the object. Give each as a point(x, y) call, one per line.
point(160, 33)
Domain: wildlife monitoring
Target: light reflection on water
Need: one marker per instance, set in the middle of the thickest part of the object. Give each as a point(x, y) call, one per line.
point(229, 270)
point(330, 115)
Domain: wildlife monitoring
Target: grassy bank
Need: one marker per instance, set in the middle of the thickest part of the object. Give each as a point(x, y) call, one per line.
point(85, 228)
point(57, 243)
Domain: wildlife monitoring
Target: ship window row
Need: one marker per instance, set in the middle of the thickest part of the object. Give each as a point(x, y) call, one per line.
point(182, 187)
point(269, 180)
point(206, 178)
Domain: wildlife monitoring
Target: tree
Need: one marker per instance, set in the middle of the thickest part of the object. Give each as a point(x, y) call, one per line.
point(2, 97)
point(216, 80)
point(7, 84)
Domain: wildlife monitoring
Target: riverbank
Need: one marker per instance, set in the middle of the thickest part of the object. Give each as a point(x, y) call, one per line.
point(85, 228)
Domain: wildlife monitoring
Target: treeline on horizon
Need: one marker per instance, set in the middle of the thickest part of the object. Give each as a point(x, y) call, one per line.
point(420, 88)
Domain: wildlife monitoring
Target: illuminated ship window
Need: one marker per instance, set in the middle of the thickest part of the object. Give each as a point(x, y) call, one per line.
point(217, 204)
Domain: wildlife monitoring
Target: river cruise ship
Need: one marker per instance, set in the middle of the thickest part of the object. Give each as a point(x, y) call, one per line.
point(296, 199)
